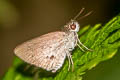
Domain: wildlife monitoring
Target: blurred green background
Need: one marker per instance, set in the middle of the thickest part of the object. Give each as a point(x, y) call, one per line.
point(21, 20)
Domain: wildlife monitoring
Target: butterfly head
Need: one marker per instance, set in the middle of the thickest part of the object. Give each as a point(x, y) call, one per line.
point(73, 26)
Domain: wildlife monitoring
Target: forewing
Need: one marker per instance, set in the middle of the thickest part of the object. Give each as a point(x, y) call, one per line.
point(43, 51)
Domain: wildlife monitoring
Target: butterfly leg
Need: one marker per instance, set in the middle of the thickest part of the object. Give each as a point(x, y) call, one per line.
point(76, 42)
point(83, 45)
point(80, 48)
point(70, 61)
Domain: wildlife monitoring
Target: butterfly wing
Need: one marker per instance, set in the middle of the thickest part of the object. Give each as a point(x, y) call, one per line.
point(46, 51)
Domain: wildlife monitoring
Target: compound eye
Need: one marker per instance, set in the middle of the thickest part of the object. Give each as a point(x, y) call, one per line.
point(73, 26)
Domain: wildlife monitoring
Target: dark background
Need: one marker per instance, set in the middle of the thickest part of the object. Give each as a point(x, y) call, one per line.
point(21, 20)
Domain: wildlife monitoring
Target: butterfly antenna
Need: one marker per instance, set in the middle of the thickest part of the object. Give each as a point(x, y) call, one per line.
point(79, 14)
point(85, 15)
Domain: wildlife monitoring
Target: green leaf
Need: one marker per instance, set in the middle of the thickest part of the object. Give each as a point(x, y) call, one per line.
point(103, 40)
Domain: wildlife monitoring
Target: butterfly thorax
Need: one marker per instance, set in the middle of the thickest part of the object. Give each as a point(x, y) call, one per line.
point(71, 40)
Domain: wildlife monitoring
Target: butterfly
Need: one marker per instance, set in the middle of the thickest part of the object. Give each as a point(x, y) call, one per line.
point(50, 50)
